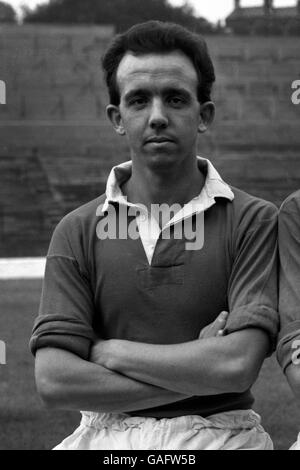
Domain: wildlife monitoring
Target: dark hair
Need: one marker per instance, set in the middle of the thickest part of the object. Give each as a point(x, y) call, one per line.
point(159, 37)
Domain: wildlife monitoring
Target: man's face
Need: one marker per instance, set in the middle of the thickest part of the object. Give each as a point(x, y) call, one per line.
point(159, 110)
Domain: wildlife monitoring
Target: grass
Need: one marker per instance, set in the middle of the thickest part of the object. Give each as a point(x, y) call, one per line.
point(25, 424)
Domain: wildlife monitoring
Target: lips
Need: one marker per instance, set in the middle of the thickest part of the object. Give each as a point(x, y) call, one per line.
point(158, 140)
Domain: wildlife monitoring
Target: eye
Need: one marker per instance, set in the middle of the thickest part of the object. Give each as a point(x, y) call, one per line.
point(176, 100)
point(138, 101)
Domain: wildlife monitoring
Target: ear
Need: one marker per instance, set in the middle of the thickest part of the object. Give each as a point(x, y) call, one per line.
point(114, 115)
point(207, 114)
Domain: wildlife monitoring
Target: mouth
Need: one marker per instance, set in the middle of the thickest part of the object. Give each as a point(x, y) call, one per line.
point(159, 140)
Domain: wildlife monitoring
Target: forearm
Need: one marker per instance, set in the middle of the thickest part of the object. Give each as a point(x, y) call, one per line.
point(80, 385)
point(203, 367)
point(175, 367)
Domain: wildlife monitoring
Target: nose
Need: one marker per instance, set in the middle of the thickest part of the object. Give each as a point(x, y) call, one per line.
point(158, 117)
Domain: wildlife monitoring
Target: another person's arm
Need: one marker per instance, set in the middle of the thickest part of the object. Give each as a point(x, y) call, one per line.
point(288, 348)
point(293, 376)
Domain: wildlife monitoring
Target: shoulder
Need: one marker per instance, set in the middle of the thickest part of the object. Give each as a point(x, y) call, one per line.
point(252, 209)
point(291, 204)
point(76, 229)
point(289, 219)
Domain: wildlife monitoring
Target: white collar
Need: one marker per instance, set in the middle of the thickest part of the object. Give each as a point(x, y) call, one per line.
point(213, 187)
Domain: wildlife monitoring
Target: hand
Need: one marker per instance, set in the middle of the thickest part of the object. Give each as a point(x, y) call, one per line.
point(216, 328)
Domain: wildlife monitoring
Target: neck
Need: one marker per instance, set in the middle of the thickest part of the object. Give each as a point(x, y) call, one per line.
point(178, 184)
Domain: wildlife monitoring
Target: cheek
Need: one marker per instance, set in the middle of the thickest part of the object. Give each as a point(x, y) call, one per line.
point(188, 124)
point(134, 125)
point(189, 116)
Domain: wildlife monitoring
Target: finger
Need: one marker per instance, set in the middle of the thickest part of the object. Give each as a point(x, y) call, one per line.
point(218, 324)
point(222, 319)
point(202, 333)
point(212, 329)
point(221, 333)
point(223, 315)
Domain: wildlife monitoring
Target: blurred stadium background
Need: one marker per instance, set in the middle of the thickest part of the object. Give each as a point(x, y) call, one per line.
point(57, 148)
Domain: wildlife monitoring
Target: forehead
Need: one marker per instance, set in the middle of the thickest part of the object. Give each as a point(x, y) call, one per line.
point(149, 69)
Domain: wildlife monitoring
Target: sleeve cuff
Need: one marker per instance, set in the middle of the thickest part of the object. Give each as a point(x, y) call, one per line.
point(61, 332)
point(254, 316)
point(287, 336)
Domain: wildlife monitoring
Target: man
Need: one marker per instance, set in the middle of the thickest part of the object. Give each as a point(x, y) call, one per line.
point(288, 349)
point(129, 319)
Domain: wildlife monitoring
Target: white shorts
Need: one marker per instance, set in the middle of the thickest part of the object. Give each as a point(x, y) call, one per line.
point(225, 431)
point(296, 446)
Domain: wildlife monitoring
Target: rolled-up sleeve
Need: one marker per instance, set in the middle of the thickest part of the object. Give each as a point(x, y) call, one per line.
point(66, 307)
point(253, 285)
point(289, 285)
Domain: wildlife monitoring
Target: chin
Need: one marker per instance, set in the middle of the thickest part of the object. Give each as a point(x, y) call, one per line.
point(161, 160)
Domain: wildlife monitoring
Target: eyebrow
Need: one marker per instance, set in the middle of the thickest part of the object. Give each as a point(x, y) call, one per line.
point(166, 91)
